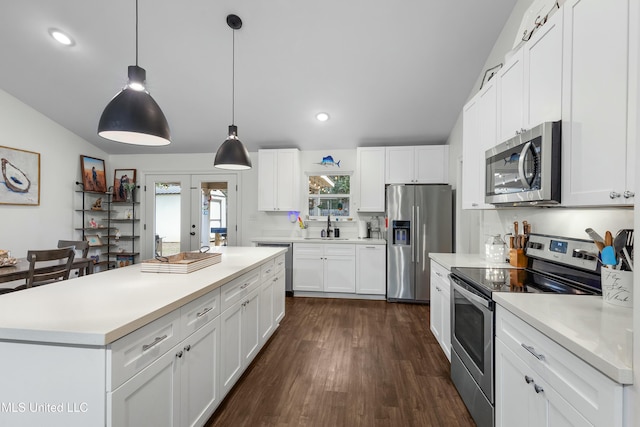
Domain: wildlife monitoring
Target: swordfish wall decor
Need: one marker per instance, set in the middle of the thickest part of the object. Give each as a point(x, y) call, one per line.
point(20, 177)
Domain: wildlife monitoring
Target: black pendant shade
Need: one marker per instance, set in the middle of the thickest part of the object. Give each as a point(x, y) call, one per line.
point(232, 154)
point(134, 117)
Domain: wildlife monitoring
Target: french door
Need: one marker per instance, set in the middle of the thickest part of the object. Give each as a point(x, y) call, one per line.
point(184, 212)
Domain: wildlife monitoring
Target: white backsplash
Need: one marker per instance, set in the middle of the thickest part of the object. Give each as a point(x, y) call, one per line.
point(554, 221)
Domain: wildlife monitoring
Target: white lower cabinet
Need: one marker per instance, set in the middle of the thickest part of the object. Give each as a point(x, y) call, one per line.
point(180, 388)
point(176, 370)
point(324, 267)
point(241, 338)
point(371, 277)
point(539, 383)
point(440, 307)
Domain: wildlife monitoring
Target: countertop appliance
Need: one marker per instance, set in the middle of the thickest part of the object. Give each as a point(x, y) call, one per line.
point(420, 221)
point(556, 264)
point(525, 170)
point(288, 264)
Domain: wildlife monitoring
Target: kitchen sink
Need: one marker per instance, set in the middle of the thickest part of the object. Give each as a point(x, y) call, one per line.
point(326, 238)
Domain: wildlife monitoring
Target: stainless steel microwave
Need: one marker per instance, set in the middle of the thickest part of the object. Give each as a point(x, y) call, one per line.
point(525, 170)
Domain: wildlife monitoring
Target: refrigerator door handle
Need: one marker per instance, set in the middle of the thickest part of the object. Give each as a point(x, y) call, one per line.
point(416, 241)
point(412, 231)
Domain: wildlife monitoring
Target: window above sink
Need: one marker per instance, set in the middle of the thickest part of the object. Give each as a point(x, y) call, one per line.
point(329, 195)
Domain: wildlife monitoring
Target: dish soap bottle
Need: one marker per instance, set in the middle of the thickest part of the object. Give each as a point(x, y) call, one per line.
point(495, 249)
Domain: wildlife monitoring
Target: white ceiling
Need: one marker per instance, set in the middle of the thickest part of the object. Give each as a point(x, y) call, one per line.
point(388, 72)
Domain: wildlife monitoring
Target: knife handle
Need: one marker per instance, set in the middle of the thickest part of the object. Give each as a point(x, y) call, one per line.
point(608, 239)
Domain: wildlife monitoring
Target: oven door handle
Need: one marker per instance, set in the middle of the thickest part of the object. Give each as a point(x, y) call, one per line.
point(470, 295)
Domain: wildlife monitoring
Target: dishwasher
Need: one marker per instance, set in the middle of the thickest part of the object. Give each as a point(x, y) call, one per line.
point(288, 264)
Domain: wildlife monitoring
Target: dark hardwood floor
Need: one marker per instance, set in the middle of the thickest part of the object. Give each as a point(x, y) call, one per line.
point(339, 362)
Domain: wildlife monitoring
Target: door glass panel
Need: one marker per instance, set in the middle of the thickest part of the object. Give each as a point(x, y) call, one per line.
point(167, 204)
point(214, 213)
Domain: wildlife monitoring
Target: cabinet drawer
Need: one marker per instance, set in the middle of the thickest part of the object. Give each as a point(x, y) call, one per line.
point(307, 249)
point(132, 353)
point(441, 273)
point(279, 263)
point(235, 290)
point(593, 394)
point(197, 313)
point(339, 249)
point(267, 270)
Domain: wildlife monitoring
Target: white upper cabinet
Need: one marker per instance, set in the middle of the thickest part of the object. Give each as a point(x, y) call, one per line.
point(424, 164)
point(279, 180)
point(510, 98)
point(530, 83)
point(478, 135)
point(599, 102)
point(370, 178)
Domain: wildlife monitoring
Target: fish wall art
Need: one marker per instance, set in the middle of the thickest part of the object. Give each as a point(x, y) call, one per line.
point(328, 161)
point(20, 177)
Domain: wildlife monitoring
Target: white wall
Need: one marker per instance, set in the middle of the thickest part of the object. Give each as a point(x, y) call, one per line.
point(40, 227)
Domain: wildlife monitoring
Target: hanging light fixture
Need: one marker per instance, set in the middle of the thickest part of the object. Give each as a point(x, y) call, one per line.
point(133, 116)
point(232, 154)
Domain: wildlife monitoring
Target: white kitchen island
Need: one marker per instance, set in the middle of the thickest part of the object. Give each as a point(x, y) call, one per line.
point(125, 347)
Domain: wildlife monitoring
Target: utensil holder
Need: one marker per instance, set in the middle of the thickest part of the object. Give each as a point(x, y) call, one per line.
point(517, 258)
point(617, 287)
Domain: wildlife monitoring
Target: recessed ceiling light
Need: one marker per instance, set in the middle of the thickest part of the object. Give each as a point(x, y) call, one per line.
point(323, 117)
point(61, 37)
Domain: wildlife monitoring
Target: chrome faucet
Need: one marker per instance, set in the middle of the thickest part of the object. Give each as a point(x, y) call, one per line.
point(329, 230)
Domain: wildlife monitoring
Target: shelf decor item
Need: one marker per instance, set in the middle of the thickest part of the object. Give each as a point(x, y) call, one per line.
point(94, 240)
point(93, 176)
point(123, 181)
point(21, 177)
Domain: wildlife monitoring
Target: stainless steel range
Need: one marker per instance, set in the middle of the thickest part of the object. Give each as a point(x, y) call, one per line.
point(556, 265)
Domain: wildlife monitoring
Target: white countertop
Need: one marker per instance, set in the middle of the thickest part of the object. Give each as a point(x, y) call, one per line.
point(289, 239)
point(595, 331)
point(100, 308)
point(465, 260)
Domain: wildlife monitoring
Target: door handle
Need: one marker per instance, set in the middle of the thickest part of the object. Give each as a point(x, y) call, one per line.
point(523, 154)
point(413, 233)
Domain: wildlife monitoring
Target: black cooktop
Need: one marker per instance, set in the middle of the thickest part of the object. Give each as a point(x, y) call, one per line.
point(489, 280)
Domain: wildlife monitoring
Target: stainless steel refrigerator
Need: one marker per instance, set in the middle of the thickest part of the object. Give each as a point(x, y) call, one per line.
point(420, 222)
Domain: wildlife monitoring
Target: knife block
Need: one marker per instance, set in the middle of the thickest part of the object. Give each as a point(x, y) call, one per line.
point(517, 258)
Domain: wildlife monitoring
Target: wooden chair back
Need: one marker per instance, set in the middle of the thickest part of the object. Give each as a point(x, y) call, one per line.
point(79, 245)
point(46, 258)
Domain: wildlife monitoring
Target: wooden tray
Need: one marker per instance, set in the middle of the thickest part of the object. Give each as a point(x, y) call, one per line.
point(182, 263)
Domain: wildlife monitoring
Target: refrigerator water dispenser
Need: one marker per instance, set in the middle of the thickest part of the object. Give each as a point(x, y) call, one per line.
point(401, 232)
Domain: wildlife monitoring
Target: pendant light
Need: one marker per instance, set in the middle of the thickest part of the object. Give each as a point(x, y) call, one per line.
point(232, 154)
point(133, 116)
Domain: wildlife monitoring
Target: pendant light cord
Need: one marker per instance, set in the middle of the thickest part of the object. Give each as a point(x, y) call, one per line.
point(136, 33)
point(233, 76)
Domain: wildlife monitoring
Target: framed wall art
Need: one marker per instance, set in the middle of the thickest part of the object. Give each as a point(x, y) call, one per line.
point(123, 181)
point(20, 177)
point(93, 176)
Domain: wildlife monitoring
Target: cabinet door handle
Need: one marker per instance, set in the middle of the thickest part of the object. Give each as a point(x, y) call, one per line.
point(537, 388)
point(188, 347)
point(532, 350)
point(155, 342)
point(179, 354)
point(528, 379)
point(614, 195)
point(205, 311)
point(244, 286)
point(628, 194)
point(439, 274)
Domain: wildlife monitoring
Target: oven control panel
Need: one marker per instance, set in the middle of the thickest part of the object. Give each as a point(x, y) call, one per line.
point(578, 253)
